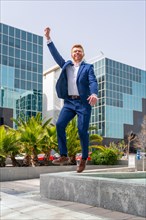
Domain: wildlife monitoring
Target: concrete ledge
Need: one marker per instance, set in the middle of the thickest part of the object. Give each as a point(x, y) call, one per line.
point(21, 173)
point(141, 165)
point(113, 194)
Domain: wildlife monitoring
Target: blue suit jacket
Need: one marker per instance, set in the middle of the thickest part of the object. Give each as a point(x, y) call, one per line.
point(86, 79)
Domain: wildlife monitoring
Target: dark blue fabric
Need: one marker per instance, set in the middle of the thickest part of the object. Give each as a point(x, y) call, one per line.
point(87, 85)
point(68, 112)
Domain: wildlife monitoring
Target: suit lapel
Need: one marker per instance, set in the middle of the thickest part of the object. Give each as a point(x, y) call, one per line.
point(66, 64)
point(80, 69)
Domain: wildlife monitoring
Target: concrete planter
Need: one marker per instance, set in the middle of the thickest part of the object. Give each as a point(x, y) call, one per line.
point(20, 173)
point(141, 164)
point(113, 191)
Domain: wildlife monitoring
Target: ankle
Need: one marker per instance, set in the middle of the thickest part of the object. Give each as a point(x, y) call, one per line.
point(84, 159)
point(63, 155)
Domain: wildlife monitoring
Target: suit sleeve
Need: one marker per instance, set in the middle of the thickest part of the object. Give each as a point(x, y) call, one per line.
point(56, 55)
point(93, 84)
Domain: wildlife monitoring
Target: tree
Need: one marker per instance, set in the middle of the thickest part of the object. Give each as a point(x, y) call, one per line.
point(140, 141)
point(73, 142)
point(49, 142)
point(2, 152)
point(95, 139)
point(131, 137)
point(32, 137)
point(9, 144)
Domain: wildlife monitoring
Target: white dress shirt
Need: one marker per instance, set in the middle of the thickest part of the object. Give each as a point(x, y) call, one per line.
point(72, 72)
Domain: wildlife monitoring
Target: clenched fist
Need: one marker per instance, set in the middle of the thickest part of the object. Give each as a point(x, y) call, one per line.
point(47, 33)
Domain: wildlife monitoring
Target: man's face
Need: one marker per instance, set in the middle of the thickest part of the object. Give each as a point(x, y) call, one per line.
point(77, 54)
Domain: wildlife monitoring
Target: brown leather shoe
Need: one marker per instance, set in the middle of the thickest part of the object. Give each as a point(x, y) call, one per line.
point(61, 160)
point(81, 166)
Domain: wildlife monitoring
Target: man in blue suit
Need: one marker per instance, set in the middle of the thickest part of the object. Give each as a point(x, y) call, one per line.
point(77, 85)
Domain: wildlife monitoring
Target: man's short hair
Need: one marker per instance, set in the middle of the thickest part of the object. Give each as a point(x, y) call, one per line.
point(77, 45)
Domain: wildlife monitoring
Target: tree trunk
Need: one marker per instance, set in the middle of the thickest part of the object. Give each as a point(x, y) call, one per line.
point(34, 160)
point(14, 161)
point(46, 158)
point(27, 161)
point(2, 161)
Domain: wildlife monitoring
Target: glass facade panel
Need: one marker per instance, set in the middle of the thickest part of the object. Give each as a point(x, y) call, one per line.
point(21, 69)
point(121, 90)
point(17, 31)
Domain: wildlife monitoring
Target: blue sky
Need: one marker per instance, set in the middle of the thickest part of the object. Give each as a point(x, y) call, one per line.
point(117, 28)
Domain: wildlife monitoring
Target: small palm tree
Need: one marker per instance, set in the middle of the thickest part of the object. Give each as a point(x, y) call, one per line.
point(2, 152)
point(95, 139)
point(9, 144)
point(49, 142)
point(73, 142)
point(33, 137)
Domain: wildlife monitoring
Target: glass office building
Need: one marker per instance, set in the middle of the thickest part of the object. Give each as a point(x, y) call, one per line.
point(21, 67)
point(122, 93)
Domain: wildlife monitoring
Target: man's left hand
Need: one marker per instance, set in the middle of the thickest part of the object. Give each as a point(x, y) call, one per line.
point(92, 99)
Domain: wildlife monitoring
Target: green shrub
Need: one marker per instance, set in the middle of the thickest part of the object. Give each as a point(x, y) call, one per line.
point(106, 156)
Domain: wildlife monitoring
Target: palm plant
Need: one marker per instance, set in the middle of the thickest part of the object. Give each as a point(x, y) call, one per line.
point(73, 142)
point(2, 153)
point(9, 144)
point(95, 139)
point(49, 142)
point(33, 137)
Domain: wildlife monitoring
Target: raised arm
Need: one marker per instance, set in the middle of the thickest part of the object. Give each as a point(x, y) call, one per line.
point(54, 52)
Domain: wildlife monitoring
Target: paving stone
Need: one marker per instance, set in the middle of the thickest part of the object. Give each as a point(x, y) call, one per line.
point(28, 205)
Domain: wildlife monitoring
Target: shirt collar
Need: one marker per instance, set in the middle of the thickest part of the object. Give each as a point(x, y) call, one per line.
point(77, 64)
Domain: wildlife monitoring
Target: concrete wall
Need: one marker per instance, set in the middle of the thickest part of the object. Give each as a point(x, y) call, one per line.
point(109, 193)
point(141, 165)
point(20, 173)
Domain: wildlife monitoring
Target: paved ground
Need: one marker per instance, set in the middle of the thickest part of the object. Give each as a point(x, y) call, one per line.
point(20, 200)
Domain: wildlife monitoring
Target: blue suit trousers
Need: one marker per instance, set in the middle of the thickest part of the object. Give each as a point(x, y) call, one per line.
point(71, 108)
